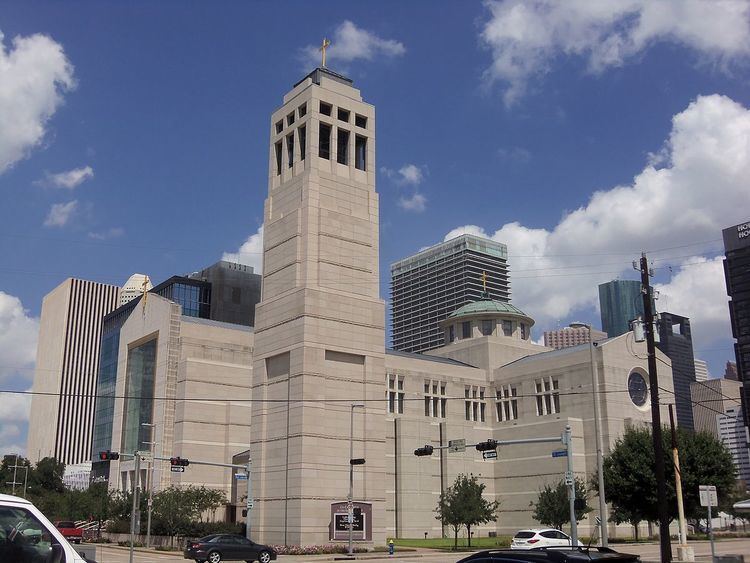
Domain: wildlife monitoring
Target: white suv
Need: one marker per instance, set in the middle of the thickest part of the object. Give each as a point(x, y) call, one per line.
point(545, 537)
point(26, 536)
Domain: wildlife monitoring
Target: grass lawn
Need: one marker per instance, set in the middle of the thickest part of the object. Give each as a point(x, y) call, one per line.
point(447, 543)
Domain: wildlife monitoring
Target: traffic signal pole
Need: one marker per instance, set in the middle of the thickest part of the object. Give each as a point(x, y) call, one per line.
point(566, 438)
point(134, 509)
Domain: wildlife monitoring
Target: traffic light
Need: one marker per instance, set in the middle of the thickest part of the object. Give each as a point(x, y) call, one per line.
point(486, 446)
point(108, 455)
point(427, 450)
point(178, 462)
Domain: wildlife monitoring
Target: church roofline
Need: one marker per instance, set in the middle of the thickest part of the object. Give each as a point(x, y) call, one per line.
point(320, 71)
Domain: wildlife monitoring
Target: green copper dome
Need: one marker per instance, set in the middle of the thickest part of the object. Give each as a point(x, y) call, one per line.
point(487, 306)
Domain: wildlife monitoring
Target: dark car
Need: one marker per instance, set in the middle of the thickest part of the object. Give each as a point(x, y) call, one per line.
point(227, 547)
point(552, 555)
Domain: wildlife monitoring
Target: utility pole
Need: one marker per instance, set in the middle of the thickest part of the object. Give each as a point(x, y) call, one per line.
point(661, 486)
point(598, 437)
point(684, 552)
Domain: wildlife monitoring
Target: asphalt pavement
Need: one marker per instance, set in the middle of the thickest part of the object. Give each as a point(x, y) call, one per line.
point(649, 552)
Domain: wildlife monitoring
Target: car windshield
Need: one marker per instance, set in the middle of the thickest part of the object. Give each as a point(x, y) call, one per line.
point(525, 534)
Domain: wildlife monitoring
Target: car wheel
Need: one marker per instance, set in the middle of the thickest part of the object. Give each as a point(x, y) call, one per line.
point(214, 557)
point(264, 557)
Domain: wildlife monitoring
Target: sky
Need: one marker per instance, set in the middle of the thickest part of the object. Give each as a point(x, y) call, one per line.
point(134, 138)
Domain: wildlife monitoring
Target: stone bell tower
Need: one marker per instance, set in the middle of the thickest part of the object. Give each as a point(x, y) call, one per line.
point(319, 331)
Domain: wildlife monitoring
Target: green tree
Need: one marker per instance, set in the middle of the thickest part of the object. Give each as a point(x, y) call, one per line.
point(463, 505)
point(48, 474)
point(630, 478)
point(553, 507)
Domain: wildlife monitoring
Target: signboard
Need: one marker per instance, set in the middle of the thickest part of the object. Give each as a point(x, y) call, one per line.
point(568, 478)
point(736, 237)
point(707, 494)
point(240, 476)
point(491, 454)
point(341, 523)
point(177, 469)
point(146, 456)
point(457, 445)
point(560, 453)
point(250, 505)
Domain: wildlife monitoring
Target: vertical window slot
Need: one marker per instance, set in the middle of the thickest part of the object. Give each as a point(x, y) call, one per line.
point(302, 134)
point(324, 141)
point(342, 146)
point(277, 146)
point(360, 152)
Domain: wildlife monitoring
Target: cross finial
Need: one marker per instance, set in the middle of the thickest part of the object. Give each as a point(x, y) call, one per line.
point(322, 49)
point(484, 281)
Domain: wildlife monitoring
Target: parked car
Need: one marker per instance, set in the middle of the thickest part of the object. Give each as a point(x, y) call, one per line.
point(227, 547)
point(27, 536)
point(69, 530)
point(552, 555)
point(541, 537)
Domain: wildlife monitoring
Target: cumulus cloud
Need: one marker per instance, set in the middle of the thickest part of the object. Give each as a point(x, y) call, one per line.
point(250, 253)
point(107, 234)
point(60, 213)
point(699, 187)
point(18, 337)
point(350, 43)
point(525, 36)
point(407, 175)
point(416, 203)
point(34, 75)
point(14, 419)
point(70, 179)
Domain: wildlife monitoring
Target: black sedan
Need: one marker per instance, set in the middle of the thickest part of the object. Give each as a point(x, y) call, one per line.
point(227, 547)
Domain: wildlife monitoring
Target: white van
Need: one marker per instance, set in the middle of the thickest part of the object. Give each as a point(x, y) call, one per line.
point(26, 536)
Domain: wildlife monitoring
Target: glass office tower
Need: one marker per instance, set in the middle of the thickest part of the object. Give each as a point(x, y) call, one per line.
point(620, 301)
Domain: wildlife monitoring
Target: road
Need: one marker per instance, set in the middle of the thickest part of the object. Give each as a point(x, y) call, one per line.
point(648, 552)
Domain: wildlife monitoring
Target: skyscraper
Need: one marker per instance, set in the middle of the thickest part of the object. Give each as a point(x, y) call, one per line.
point(430, 285)
point(620, 301)
point(62, 408)
point(737, 275)
point(701, 370)
point(676, 341)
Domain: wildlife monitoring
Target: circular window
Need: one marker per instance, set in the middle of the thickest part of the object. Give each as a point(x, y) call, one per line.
point(638, 389)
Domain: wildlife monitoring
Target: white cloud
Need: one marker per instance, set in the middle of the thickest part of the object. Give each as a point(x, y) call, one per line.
point(250, 253)
point(698, 287)
point(700, 187)
point(107, 234)
point(60, 213)
point(514, 154)
point(525, 36)
point(34, 75)
point(350, 43)
point(407, 175)
point(416, 203)
point(70, 179)
point(18, 337)
point(14, 420)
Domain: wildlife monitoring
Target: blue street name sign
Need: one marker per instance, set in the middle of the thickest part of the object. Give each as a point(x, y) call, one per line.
point(560, 453)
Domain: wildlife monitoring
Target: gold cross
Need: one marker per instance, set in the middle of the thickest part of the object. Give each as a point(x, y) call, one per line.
point(484, 280)
point(322, 49)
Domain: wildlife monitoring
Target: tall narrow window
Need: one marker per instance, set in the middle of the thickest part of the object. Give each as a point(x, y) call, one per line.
point(487, 326)
point(524, 333)
point(395, 394)
point(302, 110)
point(342, 147)
point(474, 403)
point(466, 329)
point(290, 149)
point(302, 133)
point(290, 118)
point(507, 328)
point(277, 146)
point(324, 141)
point(279, 126)
point(360, 152)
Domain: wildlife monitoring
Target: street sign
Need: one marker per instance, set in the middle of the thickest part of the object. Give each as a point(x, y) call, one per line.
point(568, 478)
point(457, 445)
point(707, 493)
point(146, 456)
point(177, 469)
point(250, 505)
point(560, 453)
point(490, 454)
point(240, 476)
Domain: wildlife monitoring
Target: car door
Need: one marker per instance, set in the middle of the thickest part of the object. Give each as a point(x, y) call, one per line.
point(564, 539)
point(247, 550)
point(550, 538)
point(228, 547)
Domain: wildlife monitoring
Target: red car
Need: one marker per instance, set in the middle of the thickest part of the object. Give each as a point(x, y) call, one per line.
point(69, 531)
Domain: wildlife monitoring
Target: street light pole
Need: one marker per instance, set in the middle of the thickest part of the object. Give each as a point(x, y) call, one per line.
point(350, 503)
point(598, 438)
point(149, 482)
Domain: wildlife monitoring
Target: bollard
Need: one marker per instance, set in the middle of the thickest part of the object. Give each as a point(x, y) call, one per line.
point(390, 547)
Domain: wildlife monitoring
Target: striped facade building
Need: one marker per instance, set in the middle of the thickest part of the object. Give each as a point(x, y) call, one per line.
point(62, 407)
